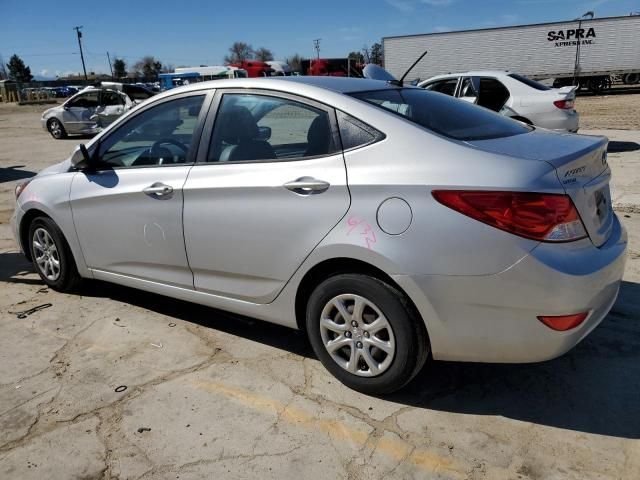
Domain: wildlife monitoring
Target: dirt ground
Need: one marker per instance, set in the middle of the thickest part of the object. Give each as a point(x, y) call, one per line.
point(615, 111)
point(116, 383)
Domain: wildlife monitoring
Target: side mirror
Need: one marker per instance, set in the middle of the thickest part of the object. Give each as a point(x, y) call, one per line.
point(80, 159)
point(264, 133)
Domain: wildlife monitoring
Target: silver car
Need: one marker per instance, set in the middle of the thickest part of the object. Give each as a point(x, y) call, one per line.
point(514, 96)
point(86, 113)
point(391, 223)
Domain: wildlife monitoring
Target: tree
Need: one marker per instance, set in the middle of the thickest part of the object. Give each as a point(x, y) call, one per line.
point(119, 68)
point(18, 71)
point(238, 53)
point(4, 74)
point(263, 54)
point(376, 54)
point(148, 67)
point(357, 56)
point(295, 62)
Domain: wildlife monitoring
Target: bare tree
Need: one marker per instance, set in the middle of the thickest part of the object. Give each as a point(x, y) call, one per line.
point(238, 53)
point(376, 54)
point(295, 62)
point(263, 54)
point(4, 74)
point(148, 67)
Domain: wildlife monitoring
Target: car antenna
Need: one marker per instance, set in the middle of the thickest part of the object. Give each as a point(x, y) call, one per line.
point(400, 82)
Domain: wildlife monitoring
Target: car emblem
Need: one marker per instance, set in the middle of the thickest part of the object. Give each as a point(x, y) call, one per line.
point(604, 158)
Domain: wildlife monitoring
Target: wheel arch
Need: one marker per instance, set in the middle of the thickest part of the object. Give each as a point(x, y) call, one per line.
point(520, 118)
point(25, 223)
point(340, 265)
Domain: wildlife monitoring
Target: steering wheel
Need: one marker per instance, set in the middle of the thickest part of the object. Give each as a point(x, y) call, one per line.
point(155, 148)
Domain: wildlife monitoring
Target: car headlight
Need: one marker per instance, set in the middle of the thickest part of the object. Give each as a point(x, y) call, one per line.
point(21, 186)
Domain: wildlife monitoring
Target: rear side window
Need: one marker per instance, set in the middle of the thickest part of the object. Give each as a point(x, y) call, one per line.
point(252, 127)
point(111, 99)
point(444, 115)
point(529, 82)
point(355, 133)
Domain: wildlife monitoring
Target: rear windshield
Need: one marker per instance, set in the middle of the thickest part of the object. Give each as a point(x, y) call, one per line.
point(443, 114)
point(528, 81)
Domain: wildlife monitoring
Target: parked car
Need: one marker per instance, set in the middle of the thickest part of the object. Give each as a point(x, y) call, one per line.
point(389, 222)
point(87, 112)
point(514, 95)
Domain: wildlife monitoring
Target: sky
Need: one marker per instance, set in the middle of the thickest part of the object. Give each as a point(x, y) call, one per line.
point(188, 32)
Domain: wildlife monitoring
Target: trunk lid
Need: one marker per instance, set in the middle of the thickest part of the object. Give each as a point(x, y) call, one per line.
point(581, 165)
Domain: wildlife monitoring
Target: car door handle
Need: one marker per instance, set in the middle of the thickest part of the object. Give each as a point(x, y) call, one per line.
point(158, 189)
point(307, 186)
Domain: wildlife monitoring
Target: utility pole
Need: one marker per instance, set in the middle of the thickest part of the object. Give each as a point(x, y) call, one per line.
point(316, 45)
point(110, 66)
point(84, 69)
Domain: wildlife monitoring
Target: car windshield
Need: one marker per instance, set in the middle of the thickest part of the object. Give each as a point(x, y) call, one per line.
point(529, 82)
point(443, 115)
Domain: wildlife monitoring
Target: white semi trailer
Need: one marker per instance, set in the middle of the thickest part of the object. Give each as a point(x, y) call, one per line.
point(589, 52)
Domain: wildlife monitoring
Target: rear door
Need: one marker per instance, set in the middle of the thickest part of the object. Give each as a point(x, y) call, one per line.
point(112, 105)
point(78, 111)
point(269, 184)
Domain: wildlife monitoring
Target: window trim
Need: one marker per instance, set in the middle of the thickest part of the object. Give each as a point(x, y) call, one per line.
point(214, 111)
point(197, 132)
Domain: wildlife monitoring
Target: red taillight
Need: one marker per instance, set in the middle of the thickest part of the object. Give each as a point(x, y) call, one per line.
point(563, 322)
point(564, 104)
point(539, 216)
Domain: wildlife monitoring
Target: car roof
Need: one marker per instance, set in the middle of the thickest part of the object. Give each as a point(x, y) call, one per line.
point(472, 73)
point(298, 84)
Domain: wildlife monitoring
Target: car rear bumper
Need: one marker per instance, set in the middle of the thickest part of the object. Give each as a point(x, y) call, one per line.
point(560, 121)
point(494, 318)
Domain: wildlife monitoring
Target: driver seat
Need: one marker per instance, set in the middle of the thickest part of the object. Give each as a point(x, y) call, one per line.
point(238, 130)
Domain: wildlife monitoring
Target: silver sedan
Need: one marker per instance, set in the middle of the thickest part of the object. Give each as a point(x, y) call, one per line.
point(391, 223)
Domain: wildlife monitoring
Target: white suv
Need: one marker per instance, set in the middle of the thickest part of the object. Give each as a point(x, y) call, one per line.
point(512, 95)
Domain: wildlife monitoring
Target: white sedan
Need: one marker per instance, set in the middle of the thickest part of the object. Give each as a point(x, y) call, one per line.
point(512, 95)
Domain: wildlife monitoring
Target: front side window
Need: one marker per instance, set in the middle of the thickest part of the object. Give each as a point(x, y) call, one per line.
point(446, 116)
point(448, 86)
point(161, 135)
point(86, 100)
point(259, 127)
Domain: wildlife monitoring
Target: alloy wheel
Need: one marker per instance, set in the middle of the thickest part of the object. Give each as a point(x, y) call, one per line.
point(46, 254)
point(55, 128)
point(357, 335)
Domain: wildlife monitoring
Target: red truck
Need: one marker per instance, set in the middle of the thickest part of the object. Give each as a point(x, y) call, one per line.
point(255, 68)
point(332, 67)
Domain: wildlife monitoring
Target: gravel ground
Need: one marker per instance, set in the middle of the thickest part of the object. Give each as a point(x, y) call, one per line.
point(204, 394)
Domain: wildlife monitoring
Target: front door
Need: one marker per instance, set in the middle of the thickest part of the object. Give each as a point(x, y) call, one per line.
point(128, 213)
point(271, 185)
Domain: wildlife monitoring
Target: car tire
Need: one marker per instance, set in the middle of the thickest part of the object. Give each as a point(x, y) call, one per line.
point(384, 317)
point(56, 129)
point(51, 256)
